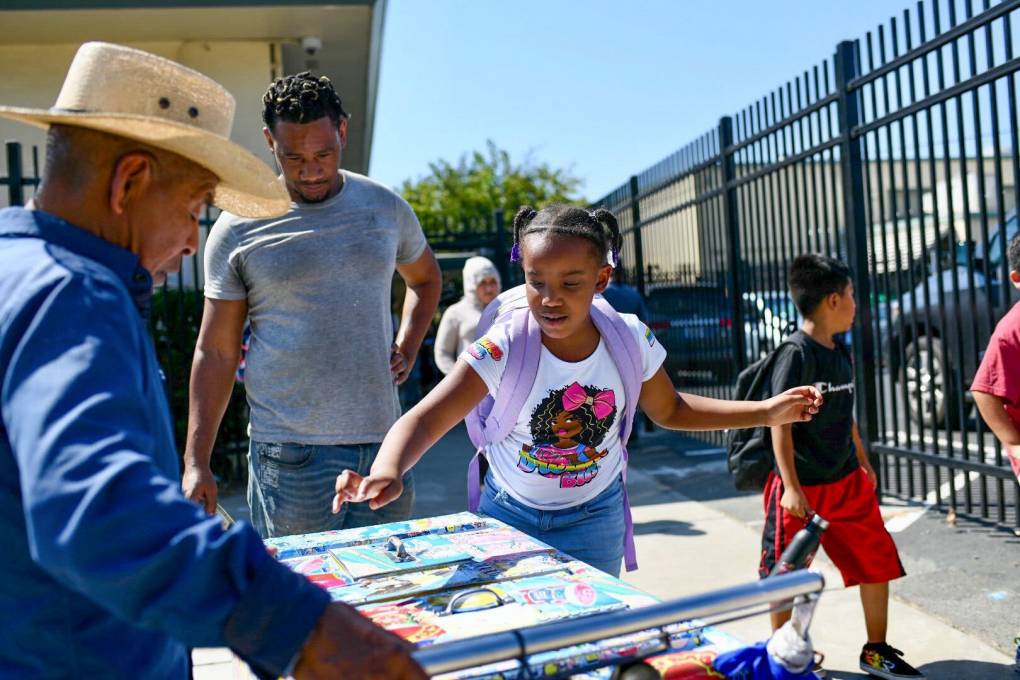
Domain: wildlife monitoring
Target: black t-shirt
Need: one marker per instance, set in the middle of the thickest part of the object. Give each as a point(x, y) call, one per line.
point(823, 447)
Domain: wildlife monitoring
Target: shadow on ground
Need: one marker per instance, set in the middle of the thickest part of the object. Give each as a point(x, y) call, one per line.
point(670, 527)
point(964, 670)
point(944, 670)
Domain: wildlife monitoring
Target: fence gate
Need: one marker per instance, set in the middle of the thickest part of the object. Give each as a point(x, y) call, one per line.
point(898, 155)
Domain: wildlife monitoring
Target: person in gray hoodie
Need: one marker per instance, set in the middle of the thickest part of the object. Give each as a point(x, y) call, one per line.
point(457, 327)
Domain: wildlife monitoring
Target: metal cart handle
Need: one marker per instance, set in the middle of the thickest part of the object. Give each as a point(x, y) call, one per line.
point(447, 657)
point(451, 608)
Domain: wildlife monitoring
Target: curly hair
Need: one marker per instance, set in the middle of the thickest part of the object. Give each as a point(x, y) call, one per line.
point(543, 419)
point(301, 98)
point(597, 226)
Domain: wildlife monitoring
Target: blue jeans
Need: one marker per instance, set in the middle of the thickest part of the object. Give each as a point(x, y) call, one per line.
point(591, 532)
point(291, 488)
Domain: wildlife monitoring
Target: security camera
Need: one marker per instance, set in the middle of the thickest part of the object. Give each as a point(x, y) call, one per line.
point(311, 45)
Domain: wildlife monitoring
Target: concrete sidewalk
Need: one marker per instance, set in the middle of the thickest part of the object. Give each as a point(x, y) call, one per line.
point(686, 547)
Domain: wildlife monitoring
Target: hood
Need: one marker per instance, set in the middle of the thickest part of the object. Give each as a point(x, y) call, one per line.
point(476, 270)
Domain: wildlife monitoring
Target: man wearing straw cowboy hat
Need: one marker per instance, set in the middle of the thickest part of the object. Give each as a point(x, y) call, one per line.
point(107, 570)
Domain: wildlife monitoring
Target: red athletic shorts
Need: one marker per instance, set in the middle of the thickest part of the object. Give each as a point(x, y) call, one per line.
point(856, 540)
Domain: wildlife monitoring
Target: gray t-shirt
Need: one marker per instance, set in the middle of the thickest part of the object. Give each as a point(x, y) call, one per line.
point(317, 282)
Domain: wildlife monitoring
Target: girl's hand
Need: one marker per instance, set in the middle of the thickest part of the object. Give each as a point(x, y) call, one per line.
point(379, 488)
point(797, 405)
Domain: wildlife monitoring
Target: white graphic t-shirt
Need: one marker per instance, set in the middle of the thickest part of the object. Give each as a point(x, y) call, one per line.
point(565, 448)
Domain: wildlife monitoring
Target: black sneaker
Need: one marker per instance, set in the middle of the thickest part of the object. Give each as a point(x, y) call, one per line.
point(884, 661)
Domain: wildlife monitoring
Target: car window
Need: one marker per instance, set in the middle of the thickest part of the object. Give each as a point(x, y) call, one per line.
point(780, 306)
point(768, 304)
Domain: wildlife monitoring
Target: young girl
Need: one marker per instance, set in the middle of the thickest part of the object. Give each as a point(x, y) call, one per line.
point(557, 476)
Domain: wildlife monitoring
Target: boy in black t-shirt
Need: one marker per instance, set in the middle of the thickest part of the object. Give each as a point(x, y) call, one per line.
point(821, 465)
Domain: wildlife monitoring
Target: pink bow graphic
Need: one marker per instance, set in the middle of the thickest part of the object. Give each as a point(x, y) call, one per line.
point(602, 404)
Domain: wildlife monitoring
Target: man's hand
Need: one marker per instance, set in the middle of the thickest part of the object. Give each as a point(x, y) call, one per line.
point(796, 405)
point(795, 502)
point(199, 485)
point(345, 644)
point(379, 488)
point(400, 365)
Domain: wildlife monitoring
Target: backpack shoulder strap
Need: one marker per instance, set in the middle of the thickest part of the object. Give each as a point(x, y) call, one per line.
point(626, 354)
point(507, 300)
point(765, 372)
point(504, 310)
point(523, 353)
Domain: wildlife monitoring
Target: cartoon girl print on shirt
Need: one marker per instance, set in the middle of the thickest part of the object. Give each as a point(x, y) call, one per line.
point(567, 428)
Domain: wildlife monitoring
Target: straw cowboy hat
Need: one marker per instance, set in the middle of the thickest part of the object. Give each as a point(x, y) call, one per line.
point(137, 95)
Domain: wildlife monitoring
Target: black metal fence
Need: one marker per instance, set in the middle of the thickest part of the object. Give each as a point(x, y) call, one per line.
point(17, 180)
point(175, 320)
point(898, 155)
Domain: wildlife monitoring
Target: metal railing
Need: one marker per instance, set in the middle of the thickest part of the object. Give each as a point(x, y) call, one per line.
point(520, 644)
point(898, 155)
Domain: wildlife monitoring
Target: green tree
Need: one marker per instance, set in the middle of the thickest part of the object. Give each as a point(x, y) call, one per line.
point(462, 196)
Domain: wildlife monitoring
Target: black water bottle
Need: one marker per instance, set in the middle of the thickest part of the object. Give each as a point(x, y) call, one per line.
point(803, 545)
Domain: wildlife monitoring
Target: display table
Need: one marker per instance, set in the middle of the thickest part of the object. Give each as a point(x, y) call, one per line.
point(450, 578)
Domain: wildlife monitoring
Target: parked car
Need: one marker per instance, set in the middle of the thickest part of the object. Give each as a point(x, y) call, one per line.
point(694, 325)
point(770, 316)
point(931, 332)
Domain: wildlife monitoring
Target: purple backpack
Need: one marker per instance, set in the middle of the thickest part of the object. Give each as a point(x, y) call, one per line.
point(492, 420)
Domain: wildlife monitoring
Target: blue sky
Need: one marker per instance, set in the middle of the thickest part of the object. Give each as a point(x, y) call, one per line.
point(602, 88)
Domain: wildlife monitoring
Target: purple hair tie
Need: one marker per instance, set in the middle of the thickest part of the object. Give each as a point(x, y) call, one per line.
point(515, 253)
point(615, 255)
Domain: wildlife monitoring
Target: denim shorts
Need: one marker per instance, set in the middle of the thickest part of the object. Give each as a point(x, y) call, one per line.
point(291, 488)
point(591, 532)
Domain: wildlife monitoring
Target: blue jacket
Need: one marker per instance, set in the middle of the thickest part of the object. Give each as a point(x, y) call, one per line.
point(107, 570)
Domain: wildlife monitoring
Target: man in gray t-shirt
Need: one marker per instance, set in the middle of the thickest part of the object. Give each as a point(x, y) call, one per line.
point(322, 364)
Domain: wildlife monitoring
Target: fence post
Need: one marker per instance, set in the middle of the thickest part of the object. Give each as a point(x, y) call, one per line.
point(639, 251)
point(852, 171)
point(499, 222)
point(15, 175)
point(729, 175)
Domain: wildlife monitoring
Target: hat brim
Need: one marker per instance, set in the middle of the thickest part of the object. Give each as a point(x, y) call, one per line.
point(247, 186)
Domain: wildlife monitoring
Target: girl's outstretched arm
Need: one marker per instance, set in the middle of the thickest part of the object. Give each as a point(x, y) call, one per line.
point(678, 411)
point(410, 437)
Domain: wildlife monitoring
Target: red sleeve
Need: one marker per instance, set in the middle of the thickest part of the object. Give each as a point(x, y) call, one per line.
point(999, 372)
